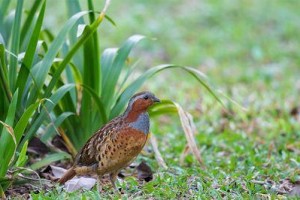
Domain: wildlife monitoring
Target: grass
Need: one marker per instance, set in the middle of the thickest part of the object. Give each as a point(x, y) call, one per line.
point(249, 49)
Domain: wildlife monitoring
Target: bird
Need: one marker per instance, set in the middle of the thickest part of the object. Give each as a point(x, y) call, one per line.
point(115, 145)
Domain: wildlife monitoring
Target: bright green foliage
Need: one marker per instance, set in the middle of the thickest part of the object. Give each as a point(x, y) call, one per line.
point(61, 80)
point(25, 75)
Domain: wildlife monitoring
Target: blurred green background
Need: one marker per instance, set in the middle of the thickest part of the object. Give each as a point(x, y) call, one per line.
point(250, 43)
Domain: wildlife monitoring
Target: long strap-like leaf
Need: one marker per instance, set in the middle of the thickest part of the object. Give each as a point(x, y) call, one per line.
point(15, 45)
point(41, 69)
point(29, 54)
point(6, 140)
point(135, 85)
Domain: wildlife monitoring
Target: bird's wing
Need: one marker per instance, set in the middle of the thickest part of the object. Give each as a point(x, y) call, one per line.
point(90, 153)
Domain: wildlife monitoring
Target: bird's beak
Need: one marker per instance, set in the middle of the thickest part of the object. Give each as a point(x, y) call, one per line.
point(154, 99)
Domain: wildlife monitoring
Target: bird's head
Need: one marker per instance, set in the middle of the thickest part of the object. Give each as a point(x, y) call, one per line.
point(140, 102)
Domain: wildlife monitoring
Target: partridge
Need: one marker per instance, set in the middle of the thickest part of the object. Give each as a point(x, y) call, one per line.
point(116, 144)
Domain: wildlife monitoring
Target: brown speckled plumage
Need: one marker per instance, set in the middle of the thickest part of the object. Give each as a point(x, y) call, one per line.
point(117, 143)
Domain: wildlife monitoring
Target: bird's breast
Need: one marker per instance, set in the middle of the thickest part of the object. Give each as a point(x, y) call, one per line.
point(142, 123)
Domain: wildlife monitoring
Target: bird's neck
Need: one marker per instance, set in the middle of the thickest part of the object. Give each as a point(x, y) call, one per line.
point(132, 116)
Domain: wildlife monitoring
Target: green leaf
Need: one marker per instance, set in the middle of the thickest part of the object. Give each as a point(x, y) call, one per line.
point(2, 194)
point(6, 140)
point(19, 129)
point(47, 108)
point(73, 7)
point(91, 78)
point(17, 133)
point(41, 69)
point(50, 159)
point(112, 72)
point(30, 53)
point(87, 33)
point(52, 129)
point(110, 20)
point(107, 59)
point(162, 108)
point(135, 85)
point(98, 102)
point(3, 10)
point(22, 157)
point(29, 19)
point(4, 76)
point(15, 45)
point(24, 121)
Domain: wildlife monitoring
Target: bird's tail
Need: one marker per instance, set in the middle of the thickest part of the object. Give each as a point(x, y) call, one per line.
point(67, 176)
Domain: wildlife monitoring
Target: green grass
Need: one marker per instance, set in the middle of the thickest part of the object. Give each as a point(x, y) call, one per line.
point(248, 49)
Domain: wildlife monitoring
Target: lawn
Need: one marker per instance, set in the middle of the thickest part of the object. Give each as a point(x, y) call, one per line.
point(249, 50)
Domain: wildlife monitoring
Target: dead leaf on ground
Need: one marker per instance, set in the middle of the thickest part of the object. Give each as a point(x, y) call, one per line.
point(144, 172)
point(295, 111)
point(76, 182)
point(295, 191)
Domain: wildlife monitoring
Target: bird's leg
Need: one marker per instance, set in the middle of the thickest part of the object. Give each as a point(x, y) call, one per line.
point(99, 187)
point(113, 178)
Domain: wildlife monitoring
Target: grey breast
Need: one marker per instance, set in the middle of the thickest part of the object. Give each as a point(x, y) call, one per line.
point(142, 123)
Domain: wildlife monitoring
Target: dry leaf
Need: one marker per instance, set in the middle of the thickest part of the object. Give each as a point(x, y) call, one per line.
point(144, 172)
point(78, 183)
point(295, 191)
point(75, 183)
point(58, 172)
point(188, 124)
point(158, 156)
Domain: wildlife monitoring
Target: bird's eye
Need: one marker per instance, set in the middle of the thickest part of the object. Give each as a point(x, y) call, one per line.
point(146, 97)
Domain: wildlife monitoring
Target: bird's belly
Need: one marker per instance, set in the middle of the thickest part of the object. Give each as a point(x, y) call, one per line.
point(126, 146)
